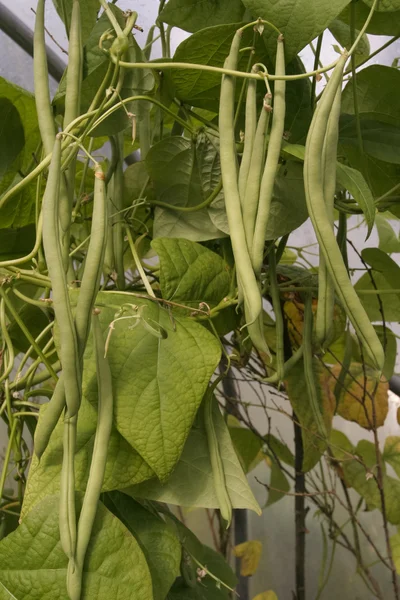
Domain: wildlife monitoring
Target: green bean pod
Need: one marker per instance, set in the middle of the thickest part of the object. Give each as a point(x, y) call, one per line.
point(326, 290)
point(98, 464)
point(249, 135)
point(67, 512)
point(309, 371)
point(61, 303)
point(229, 173)
point(317, 211)
point(250, 202)
point(289, 364)
point(118, 224)
point(87, 295)
point(272, 160)
point(46, 121)
point(279, 327)
point(217, 466)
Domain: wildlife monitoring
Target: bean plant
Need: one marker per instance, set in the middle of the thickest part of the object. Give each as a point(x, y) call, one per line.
point(157, 313)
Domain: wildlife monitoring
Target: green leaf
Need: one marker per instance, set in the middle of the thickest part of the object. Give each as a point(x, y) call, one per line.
point(160, 546)
point(20, 210)
point(391, 453)
point(89, 10)
point(342, 33)
point(353, 181)
point(247, 446)
point(194, 468)
point(389, 342)
point(279, 484)
point(390, 302)
point(395, 545)
point(385, 5)
point(192, 15)
point(382, 23)
point(279, 449)
point(190, 273)
point(299, 20)
point(175, 166)
point(11, 135)
point(377, 87)
point(34, 319)
point(381, 262)
point(298, 104)
point(124, 465)
point(340, 445)
point(388, 239)
point(156, 393)
point(33, 564)
point(313, 446)
point(15, 243)
point(211, 47)
point(380, 140)
point(288, 207)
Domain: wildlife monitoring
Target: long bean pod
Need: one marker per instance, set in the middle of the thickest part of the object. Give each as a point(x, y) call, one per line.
point(272, 160)
point(221, 491)
point(98, 464)
point(87, 295)
point(249, 135)
point(229, 173)
point(252, 192)
point(314, 192)
point(61, 302)
point(326, 290)
point(67, 512)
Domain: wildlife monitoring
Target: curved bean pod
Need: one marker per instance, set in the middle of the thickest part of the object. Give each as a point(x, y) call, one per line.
point(250, 202)
point(249, 135)
point(271, 163)
point(244, 269)
point(326, 290)
point(98, 464)
point(314, 192)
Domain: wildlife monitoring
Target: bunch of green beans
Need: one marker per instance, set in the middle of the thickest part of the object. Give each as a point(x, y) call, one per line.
point(248, 191)
point(321, 132)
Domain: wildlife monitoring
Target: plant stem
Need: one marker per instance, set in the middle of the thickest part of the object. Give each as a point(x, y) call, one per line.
point(316, 64)
point(300, 513)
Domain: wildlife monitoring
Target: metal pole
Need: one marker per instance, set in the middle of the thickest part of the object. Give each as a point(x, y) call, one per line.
point(22, 35)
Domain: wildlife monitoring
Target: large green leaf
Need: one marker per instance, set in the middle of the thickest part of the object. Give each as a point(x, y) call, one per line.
point(391, 453)
point(377, 88)
point(15, 243)
point(278, 484)
point(298, 104)
point(89, 10)
point(211, 47)
point(381, 262)
point(12, 137)
point(191, 483)
point(193, 15)
point(388, 239)
point(177, 169)
point(342, 33)
point(389, 343)
point(33, 564)
point(389, 302)
point(124, 465)
point(288, 207)
point(20, 210)
point(247, 445)
point(380, 140)
point(382, 23)
point(156, 392)
point(299, 20)
point(385, 5)
point(160, 546)
point(190, 273)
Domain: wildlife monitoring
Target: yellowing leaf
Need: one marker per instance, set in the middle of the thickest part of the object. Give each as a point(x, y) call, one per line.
point(398, 415)
point(294, 311)
point(270, 595)
point(250, 554)
point(355, 403)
